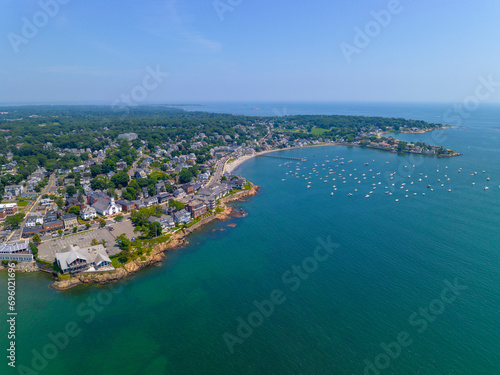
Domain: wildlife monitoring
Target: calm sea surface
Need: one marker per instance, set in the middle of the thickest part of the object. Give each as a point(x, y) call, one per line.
point(404, 281)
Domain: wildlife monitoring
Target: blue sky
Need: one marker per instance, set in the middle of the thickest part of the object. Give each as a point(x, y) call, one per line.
point(99, 51)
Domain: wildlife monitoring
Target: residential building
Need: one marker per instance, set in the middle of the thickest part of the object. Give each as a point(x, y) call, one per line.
point(196, 208)
point(88, 213)
point(53, 225)
point(188, 188)
point(34, 219)
point(163, 197)
point(70, 221)
point(151, 201)
point(182, 216)
point(166, 221)
point(126, 205)
point(179, 193)
point(121, 165)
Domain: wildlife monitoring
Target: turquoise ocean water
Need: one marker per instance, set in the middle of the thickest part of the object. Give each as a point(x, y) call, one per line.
point(387, 275)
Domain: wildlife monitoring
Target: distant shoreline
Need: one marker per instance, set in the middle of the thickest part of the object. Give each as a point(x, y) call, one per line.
point(232, 166)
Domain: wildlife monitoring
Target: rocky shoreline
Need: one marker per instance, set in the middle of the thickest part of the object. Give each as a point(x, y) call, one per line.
point(157, 254)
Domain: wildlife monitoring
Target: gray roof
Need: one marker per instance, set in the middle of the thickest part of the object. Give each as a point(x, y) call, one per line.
point(14, 247)
point(101, 204)
point(92, 255)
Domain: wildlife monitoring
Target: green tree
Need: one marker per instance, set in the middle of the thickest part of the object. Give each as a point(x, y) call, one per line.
point(70, 190)
point(123, 242)
point(60, 202)
point(120, 179)
point(60, 232)
point(102, 222)
point(14, 221)
point(36, 238)
point(185, 176)
point(75, 210)
point(176, 204)
point(98, 183)
point(34, 249)
point(94, 242)
point(87, 225)
point(75, 229)
point(154, 230)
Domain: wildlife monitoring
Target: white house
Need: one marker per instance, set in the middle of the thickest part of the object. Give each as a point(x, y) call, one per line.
point(88, 213)
point(34, 219)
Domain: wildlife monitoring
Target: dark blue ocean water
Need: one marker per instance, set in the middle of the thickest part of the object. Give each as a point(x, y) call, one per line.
point(387, 284)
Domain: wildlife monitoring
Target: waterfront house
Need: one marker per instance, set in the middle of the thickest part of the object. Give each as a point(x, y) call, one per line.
point(166, 221)
point(182, 216)
point(196, 208)
point(89, 259)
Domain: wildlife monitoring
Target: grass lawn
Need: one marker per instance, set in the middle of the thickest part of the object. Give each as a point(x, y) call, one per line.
point(318, 131)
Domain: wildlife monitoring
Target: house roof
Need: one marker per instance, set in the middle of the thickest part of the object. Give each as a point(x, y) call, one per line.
point(124, 202)
point(93, 254)
point(101, 204)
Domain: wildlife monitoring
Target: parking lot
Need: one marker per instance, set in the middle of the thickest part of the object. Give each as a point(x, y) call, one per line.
point(47, 250)
point(123, 227)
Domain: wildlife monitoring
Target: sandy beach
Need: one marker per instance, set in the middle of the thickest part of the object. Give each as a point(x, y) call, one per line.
point(230, 167)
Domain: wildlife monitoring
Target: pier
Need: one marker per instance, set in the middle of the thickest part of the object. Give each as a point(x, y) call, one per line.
point(283, 157)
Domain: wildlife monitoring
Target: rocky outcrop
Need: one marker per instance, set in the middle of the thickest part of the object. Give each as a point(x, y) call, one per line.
point(156, 256)
point(23, 267)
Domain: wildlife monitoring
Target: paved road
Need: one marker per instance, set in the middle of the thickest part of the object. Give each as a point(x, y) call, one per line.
point(26, 210)
point(219, 170)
